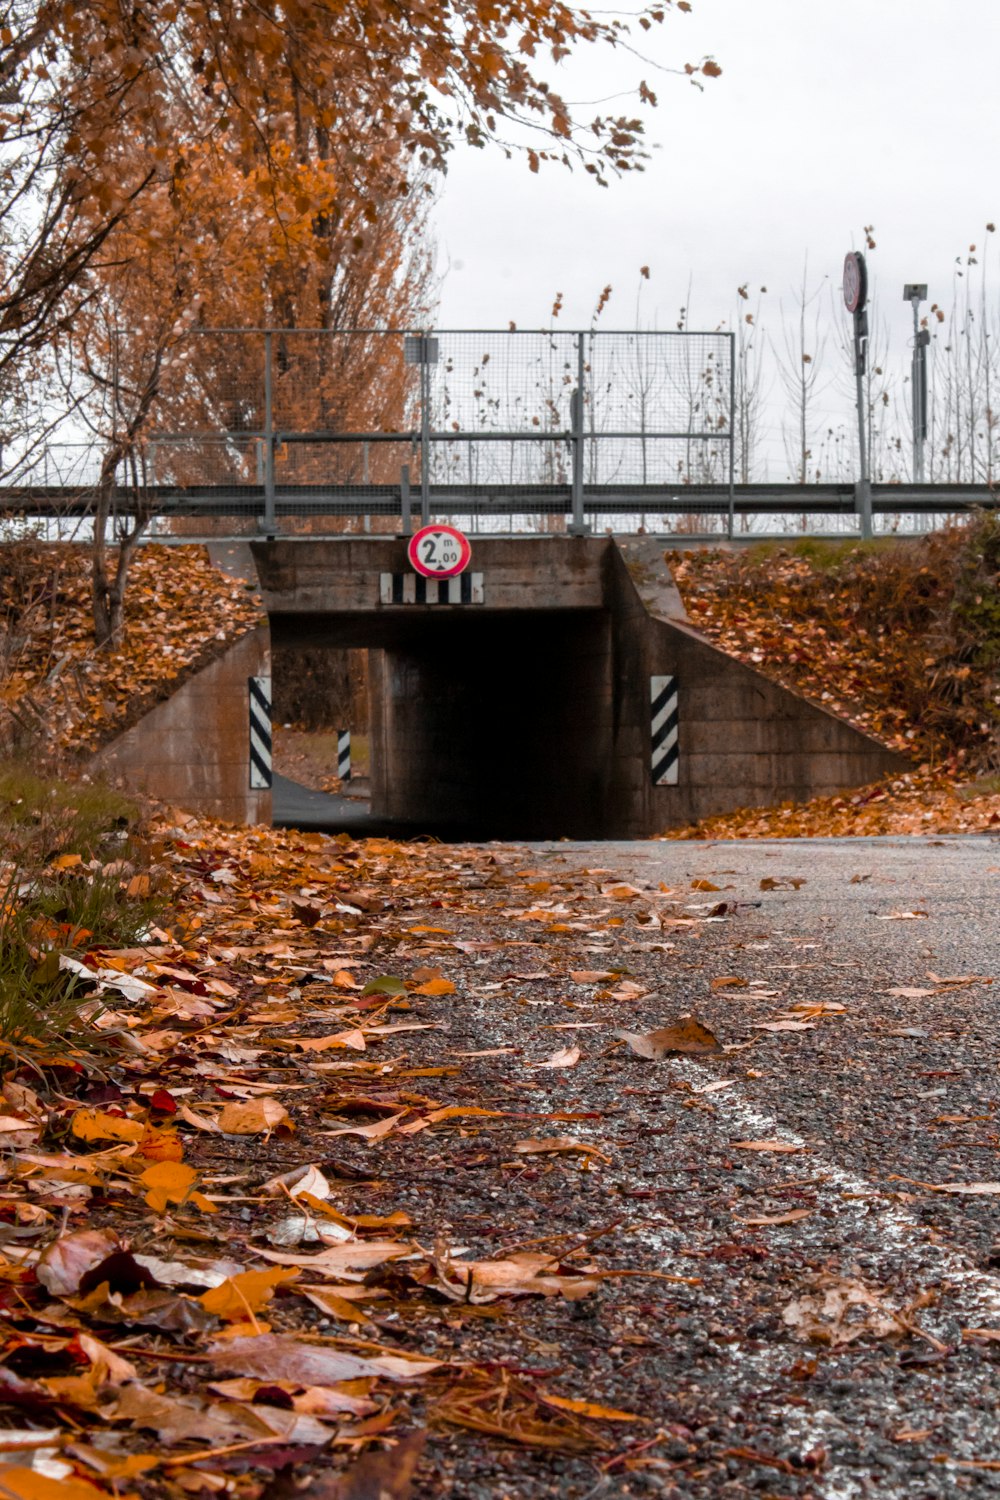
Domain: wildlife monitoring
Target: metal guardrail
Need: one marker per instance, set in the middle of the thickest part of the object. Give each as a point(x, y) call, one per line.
point(694, 509)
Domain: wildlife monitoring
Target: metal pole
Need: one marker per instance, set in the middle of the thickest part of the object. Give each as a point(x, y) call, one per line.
point(268, 522)
point(577, 526)
point(863, 492)
point(425, 444)
point(919, 383)
point(404, 499)
point(732, 436)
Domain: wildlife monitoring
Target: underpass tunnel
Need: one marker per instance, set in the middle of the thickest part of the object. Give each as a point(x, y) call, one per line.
point(493, 725)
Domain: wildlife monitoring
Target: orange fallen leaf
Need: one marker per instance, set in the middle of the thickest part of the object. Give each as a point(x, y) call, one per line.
point(254, 1117)
point(247, 1292)
point(435, 987)
point(588, 1409)
point(791, 1217)
point(172, 1182)
point(687, 1036)
point(558, 1145)
point(768, 1145)
point(97, 1125)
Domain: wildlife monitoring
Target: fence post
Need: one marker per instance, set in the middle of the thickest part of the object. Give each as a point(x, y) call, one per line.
point(732, 436)
point(404, 500)
point(268, 523)
point(425, 439)
point(577, 525)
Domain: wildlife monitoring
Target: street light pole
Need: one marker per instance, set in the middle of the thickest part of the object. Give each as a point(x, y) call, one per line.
point(855, 290)
point(915, 292)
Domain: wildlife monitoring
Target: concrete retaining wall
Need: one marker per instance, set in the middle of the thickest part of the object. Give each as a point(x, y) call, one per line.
point(193, 751)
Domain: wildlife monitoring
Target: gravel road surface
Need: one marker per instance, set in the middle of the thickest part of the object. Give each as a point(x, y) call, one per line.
point(874, 966)
point(794, 1237)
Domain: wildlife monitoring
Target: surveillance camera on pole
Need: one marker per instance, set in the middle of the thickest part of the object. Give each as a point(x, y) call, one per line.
point(915, 292)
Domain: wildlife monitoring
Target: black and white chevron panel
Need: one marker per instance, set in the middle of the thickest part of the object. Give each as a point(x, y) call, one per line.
point(260, 732)
point(344, 754)
point(413, 588)
point(665, 751)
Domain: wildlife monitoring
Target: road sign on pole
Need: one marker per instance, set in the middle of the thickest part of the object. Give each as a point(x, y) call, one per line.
point(439, 551)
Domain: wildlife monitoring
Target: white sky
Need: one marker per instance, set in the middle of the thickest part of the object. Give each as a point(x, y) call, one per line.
point(829, 115)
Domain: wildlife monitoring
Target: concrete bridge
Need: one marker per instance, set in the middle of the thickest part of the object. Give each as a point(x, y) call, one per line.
point(566, 696)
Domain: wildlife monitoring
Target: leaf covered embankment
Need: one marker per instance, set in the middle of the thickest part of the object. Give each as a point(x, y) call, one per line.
point(61, 696)
point(901, 638)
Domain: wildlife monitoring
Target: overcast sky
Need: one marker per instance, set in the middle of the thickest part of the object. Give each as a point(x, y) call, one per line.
point(829, 115)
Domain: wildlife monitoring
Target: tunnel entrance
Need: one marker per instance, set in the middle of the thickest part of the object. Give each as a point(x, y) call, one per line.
point(551, 699)
point(479, 726)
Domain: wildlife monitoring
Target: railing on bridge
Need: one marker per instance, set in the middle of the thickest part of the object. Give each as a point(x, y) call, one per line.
point(455, 411)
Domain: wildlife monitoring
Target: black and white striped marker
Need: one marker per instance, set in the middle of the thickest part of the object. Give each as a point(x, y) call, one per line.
point(665, 751)
point(260, 732)
point(411, 588)
point(344, 754)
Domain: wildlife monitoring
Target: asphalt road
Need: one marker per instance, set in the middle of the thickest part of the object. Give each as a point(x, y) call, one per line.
point(888, 1110)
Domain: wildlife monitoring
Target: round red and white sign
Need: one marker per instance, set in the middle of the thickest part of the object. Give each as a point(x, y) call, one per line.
point(855, 281)
point(439, 551)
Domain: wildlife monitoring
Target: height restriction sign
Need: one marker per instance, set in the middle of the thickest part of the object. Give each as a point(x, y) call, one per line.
point(439, 551)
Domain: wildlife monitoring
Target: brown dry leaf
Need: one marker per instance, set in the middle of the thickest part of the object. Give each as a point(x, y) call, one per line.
point(63, 1264)
point(729, 981)
point(317, 1400)
point(704, 885)
point(791, 1217)
point(353, 1039)
point(782, 1026)
point(435, 987)
point(768, 1145)
point(175, 1420)
point(447, 1112)
point(987, 1335)
point(558, 1145)
point(373, 1132)
point(685, 1037)
point(273, 1356)
point(254, 1117)
point(525, 1274)
point(385, 1475)
point(336, 1260)
point(566, 1057)
point(841, 1310)
point(591, 976)
point(903, 916)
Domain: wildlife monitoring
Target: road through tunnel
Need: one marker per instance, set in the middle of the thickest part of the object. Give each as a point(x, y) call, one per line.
point(485, 726)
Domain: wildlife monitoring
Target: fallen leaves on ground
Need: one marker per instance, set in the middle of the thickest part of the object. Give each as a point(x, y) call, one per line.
point(893, 639)
point(180, 613)
point(216, 1259)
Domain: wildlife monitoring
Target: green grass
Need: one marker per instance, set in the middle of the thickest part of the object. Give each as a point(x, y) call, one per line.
point(68, 853)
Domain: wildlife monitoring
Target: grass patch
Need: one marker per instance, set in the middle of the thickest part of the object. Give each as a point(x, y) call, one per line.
point(73, 877)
